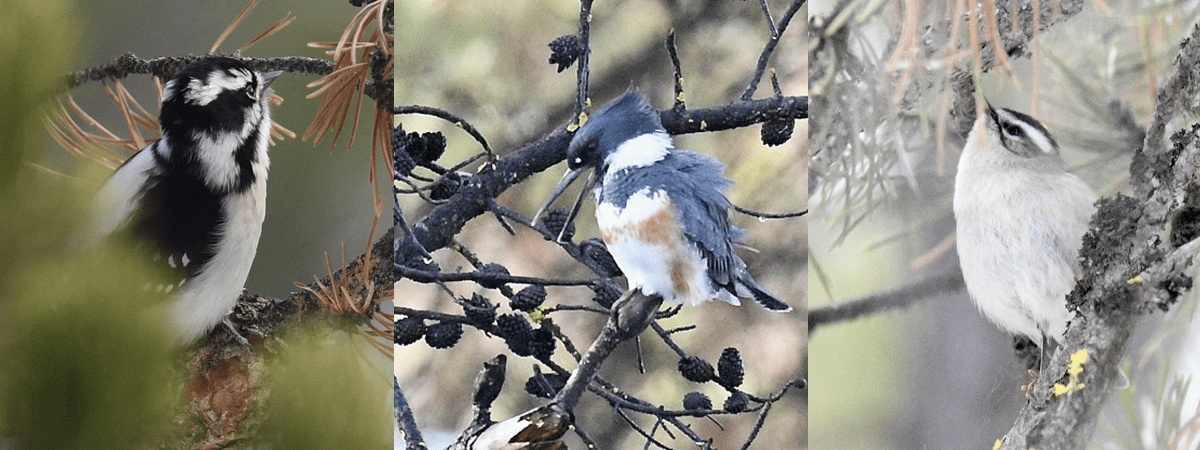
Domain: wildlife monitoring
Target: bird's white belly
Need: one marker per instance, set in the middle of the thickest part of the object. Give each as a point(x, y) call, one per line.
point(206, 298)
point(647, 242)
point(1021, 266)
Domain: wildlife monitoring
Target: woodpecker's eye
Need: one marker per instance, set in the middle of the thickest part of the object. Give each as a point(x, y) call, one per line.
point(250, 91)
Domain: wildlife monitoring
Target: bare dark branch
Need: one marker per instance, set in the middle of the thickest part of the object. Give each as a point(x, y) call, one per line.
point(405, 420)
point(765, 56)
point(428, 277)
point(679, 104)
point(763, 215)
point(583, 71)
point(449, 117)
point(166, 67)
point(899, 298)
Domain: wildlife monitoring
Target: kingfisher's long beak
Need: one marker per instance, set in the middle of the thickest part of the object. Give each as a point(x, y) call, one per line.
point(566, 181)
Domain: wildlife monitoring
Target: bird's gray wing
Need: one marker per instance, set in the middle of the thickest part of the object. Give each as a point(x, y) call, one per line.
point(698, 195)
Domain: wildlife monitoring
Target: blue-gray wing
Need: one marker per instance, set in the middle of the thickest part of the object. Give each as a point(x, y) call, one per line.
point(698, 195)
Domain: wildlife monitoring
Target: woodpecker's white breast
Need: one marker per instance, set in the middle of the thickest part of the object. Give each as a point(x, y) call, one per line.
point(209, 296)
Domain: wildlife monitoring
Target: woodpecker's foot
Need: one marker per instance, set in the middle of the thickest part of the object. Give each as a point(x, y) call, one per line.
point(236, 336)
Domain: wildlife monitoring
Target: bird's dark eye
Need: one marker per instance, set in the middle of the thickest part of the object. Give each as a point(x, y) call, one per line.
point(1012, 130)
point(575, 162)
point(250, 91)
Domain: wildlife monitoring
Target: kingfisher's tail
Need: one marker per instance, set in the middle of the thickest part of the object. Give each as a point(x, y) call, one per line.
point(753, 290)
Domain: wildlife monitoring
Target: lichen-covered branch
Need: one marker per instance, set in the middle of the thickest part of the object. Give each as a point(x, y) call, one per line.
point(1124, 241)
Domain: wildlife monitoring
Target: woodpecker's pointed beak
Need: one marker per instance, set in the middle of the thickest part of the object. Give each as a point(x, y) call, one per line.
point(269, 78)
point(566, 181)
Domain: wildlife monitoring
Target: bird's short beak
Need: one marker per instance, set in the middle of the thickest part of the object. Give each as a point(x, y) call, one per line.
point(566, 180)
point(987, 105)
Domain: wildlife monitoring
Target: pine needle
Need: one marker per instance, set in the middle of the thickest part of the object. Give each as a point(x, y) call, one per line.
point(236, 21)
point(285, 21)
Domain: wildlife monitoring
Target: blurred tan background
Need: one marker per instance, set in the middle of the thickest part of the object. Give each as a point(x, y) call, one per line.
point(487, 63)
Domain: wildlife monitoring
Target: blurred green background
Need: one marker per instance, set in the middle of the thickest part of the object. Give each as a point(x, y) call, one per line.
point(85, 365)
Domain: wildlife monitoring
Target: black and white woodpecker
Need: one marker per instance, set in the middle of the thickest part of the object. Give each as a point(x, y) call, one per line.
point(195, 199)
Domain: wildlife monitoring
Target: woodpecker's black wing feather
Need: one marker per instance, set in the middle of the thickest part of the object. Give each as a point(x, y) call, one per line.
point(175, 217)
point(179, 217)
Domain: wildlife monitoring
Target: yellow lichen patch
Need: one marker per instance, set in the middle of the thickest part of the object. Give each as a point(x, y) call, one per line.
point(1074, 370)
point(537, 315)
point(583, 118)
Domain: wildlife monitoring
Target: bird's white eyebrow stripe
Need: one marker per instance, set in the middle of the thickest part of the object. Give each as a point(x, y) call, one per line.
point(1037, 136)
point(203, 92)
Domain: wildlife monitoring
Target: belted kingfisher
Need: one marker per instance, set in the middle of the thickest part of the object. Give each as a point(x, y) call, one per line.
point(661, 211)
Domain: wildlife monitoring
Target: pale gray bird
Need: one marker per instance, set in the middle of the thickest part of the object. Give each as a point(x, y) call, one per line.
point(1021, 219)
